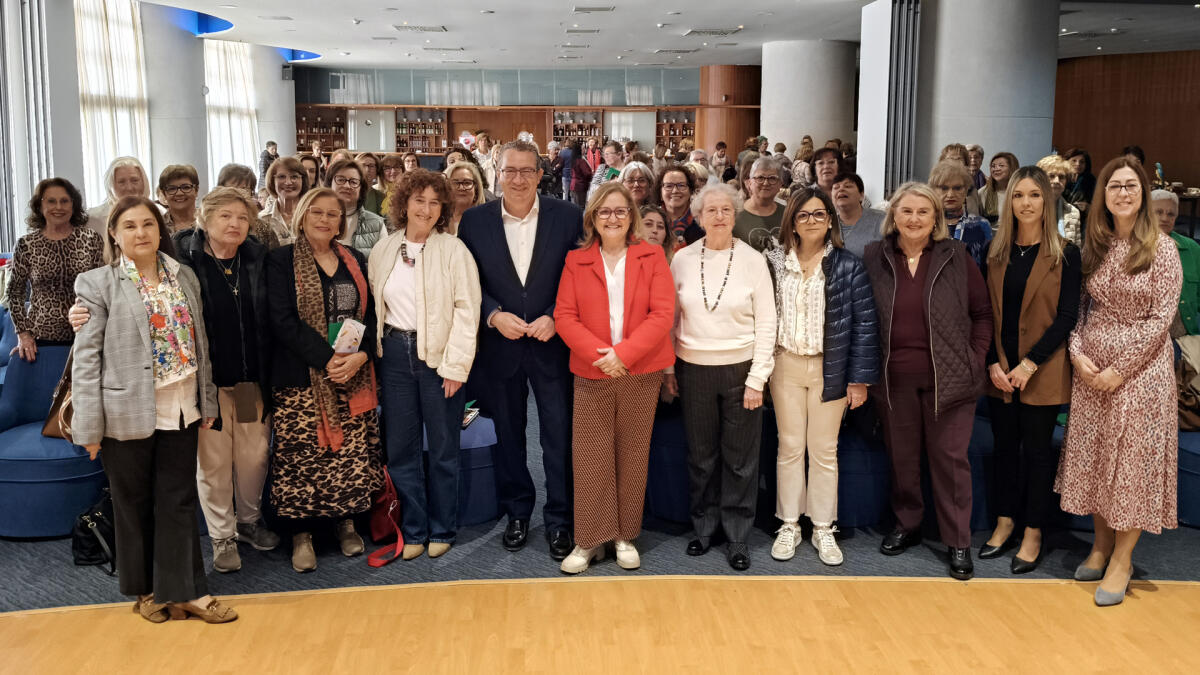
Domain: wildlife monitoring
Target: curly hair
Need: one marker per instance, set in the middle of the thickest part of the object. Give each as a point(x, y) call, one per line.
point(692, 181)
point(37, 221)
point(413, 182)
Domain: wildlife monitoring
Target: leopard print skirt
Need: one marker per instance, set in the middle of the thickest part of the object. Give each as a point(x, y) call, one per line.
point(309, 481)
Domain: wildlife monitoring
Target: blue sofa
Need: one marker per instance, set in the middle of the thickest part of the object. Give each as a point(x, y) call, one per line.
point(8, 341)
point(44, 482)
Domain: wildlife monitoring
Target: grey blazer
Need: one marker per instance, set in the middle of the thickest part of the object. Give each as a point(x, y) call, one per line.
point(112, 379)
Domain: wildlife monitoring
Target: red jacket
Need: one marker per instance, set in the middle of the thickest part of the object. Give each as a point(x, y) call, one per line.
point(581, 311)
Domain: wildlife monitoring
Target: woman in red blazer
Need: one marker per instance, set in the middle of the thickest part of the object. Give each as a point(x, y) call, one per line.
point(615, 308)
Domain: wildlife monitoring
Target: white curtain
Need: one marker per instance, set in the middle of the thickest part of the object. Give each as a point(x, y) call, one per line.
point(232, 122)
point(356, 88)
point(639, 94)
point(113, 104)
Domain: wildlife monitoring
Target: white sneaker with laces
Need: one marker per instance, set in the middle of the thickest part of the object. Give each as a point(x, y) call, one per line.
point(627, 555)
point(784, 547)
point(826, 545)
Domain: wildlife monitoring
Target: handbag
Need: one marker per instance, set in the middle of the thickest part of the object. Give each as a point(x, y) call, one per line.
point(93, 538)
point(385, 524)
point(58, 420)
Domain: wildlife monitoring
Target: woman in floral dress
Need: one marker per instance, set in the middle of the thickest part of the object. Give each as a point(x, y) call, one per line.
point(1119, 460)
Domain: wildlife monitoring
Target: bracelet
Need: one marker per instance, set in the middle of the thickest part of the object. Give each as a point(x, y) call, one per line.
point(1028, 366)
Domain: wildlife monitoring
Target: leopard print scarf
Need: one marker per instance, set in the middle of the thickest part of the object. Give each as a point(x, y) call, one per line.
point(310, 303)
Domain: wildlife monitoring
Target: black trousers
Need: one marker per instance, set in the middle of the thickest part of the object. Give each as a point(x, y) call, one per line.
point(1025, 459)
point(153, 483)
point(508, 399)
point(723, 440)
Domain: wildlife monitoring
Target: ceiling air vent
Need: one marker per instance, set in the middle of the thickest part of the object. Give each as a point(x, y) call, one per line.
point(275, 18)
point(649, 64)
point(578, 9)
point(419, 29)
point(384, 39)
point(442, 49)
point(711, 32)
point(460, 61)
point(570, 46)
point(676, 51)
point(582, 31)
point(727, 44)
point(566, 57)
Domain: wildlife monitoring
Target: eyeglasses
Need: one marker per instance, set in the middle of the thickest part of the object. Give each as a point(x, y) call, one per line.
point(620, 213)
point(637, 182)
point(818, 216)
point(526, 173)
point(713, 211)
point(186, 188)
point(391, 169)
point(463, 184)
point(341, 181)
point(958, 189)
point(676, 187)
point(1131, 188)
point(765, 180)
point(321, 214)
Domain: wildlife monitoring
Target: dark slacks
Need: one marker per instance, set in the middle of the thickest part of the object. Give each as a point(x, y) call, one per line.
point(153, 483)
point(911, 429)
point(613, 422)
point(1025, 460)
point(414, 401)
point(508, 399)
point(723, 439)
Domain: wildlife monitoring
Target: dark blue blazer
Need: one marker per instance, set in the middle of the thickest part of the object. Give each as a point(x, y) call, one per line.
point(559, 229)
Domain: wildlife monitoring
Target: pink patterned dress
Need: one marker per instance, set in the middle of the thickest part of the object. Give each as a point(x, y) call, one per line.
point(1120, 458)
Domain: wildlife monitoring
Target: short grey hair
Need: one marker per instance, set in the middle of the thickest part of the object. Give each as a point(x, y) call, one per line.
point(641, 167)
point(974, 147)
point(519, 146)
point(697, 154)
point(766, 162)
point(1164, 195)
point(553, 145)
point(715, 190)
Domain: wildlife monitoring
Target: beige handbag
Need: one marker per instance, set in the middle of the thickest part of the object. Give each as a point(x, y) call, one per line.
point(58, 421)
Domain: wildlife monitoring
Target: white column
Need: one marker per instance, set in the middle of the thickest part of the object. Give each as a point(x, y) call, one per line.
point(874, 66)
point(807, 88)
point(986, 76)
point(175, 82)
point(274, 100)
point(66, 129)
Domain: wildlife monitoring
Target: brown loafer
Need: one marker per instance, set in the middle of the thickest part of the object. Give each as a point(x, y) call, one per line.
point(154, 612)
point(214, 612)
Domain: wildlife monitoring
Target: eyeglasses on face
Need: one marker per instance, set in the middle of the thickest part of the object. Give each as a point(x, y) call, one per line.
point(636, 182)
point(765, 180)
point(1131, 188)
point(620, 213)
point(818, 216)
point(463, 184)
point(186, 188)
point(526, 173)
point(322, 214)
point(675, 187)
point(342, 181)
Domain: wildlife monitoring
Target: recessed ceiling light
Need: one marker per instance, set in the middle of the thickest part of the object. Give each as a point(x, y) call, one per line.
point(704, 43)
point(344, 53)
point(1099, 48)
point(1112, 30)
point(661, 25)
point(486, 11)
point(1064, 30)
point(679, 57)
point(428, 41)
point(676, 13)
point(355, 21)
point(740, 26)
point(408, 53)
point(619, 57)
point(574, 25)
point(404, 23)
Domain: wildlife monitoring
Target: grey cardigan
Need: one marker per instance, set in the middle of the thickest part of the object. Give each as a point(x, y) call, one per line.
point(112, 379)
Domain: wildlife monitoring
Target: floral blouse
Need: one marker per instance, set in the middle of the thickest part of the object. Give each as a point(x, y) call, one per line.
point(172, 336)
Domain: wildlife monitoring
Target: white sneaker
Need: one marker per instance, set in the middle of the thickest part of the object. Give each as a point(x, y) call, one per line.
point(627, 555)
point(580, 558)
point(826, 545)
point(784, 547)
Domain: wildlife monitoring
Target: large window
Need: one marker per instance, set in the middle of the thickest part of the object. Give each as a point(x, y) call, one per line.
point(232, 122)
point(113, 106)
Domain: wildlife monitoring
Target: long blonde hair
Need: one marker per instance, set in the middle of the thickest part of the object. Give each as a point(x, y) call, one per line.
point(1006, 226)
point(1101, 227)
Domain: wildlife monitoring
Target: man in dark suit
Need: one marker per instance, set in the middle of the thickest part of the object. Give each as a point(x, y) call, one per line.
point(520, 244)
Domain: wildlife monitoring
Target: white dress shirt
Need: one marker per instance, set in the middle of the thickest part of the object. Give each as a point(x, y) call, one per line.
point(616, 298)
point(520, 234)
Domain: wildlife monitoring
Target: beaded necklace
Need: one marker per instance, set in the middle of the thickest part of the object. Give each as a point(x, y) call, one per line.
point(728, 268)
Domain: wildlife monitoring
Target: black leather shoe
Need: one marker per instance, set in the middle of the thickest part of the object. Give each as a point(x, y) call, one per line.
point(961, 567)
point(698, 546)
point(1024, 566)
point(739, 562)
point(515, 534)
point(987, 551)
point(560, 544)
point(898, 540)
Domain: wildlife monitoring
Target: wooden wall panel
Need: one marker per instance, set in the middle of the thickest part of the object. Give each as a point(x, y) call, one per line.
point(503, 125)
point(730, 85)
point(732, 125)
point(1103, 103)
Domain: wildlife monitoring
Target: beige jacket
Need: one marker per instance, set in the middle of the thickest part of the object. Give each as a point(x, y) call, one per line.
point(448, 300)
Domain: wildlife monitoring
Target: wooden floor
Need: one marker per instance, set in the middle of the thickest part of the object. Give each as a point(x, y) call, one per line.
point(647, 624)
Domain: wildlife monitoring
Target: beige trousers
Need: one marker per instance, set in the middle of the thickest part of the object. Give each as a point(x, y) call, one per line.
point(805, 422)
point(231, 468)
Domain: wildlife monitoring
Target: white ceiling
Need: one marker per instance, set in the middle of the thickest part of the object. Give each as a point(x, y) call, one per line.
point(532, 33)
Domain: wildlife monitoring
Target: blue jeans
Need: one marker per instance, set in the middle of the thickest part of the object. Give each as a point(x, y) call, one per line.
point(413, 398)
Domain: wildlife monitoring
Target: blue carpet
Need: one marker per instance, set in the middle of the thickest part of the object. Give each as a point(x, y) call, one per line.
point(40, 573)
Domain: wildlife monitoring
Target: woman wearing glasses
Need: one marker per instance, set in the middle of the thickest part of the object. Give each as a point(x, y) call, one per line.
point(1120, 457)
point(363, 228)
point(638, 178)
point(287, 181)
point(725, 341)
point(615, 307)
point(827, 352)
point(675, 187)
point(326, 460)
point(177, 185)
point(759, 220)
point(466, 190)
